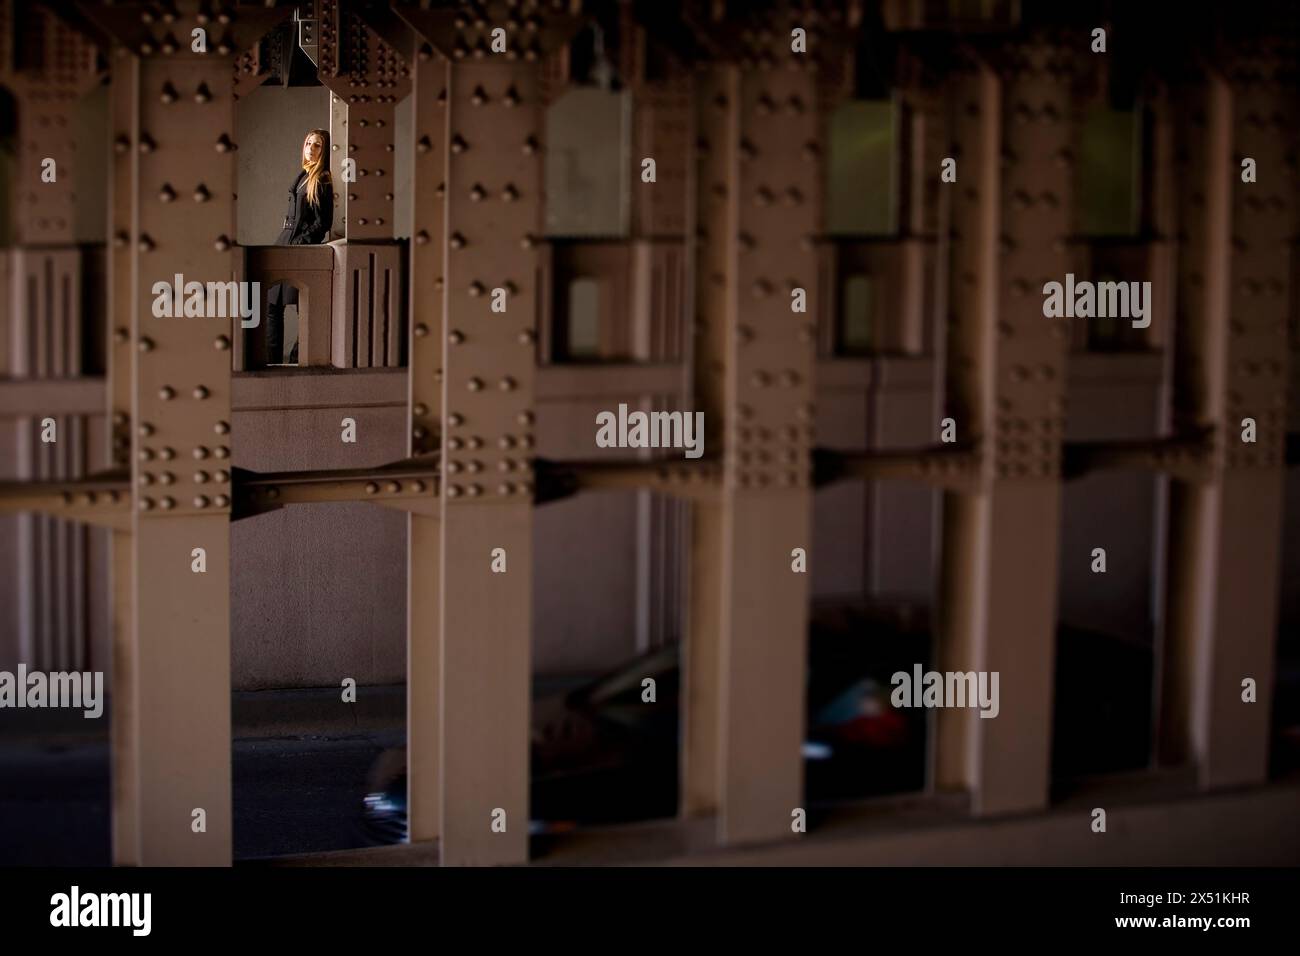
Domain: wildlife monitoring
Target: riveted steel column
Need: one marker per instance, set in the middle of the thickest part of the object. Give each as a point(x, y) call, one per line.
point(759, 187)
point(424, 617)
point(1006, 373)
point(702, 678)
point(1225, 545)
point(123, 304)
point(370, 77)
point(180, 121)
point(494, 117)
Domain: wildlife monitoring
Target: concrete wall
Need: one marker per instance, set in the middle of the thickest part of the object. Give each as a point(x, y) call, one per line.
point(271, 123)
point(318, 592)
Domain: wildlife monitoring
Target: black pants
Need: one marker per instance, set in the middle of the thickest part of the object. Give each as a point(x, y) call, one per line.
point(281, 294)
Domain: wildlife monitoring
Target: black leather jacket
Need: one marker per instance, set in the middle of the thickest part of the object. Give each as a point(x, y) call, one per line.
point(305, 224)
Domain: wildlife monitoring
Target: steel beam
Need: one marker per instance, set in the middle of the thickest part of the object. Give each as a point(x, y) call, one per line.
point(1225, 543)
point(174, 109)
point(1006, 375)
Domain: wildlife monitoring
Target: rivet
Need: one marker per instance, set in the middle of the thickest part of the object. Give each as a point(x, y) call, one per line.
point(201, 193)
point(221, 451)
point(221, 343)
point(506, 384)
point(221, 501)
point(457, 241)
point(421, 330)
point(221, 428)
point(474, 384)
point(372, 488)
point(200, 452)
point(527, 337)
point(146, 504)
point(200, 477)
point(167, 504)
point(474, 491)
point(166, 393)
point(201, 392)
point(476, 289)
point(200, 501)
point(393, 486)
point(166, 454)
point(455, 419)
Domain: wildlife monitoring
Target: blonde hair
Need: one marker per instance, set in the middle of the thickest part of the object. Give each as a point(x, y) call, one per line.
point(318, 173)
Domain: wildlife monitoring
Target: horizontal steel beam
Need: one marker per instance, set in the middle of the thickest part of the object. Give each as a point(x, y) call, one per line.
point(38, 397)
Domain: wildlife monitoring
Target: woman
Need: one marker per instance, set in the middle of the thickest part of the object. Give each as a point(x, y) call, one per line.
point(307, 222)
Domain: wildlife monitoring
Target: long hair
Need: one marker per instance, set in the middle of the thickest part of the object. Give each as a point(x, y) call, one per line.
point(318, 173)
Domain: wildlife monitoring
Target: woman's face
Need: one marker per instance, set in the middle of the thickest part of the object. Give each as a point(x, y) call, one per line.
point(311, 148)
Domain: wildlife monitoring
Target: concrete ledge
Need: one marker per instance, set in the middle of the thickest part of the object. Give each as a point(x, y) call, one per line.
point(1254, 827)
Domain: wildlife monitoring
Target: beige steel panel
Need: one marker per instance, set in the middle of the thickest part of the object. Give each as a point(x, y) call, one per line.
point(41, 397)
point(662, 125)
point(123, 250)
point(701, 757)
point(493, 127)
point(701, 778)
point(124, 740)
point(1006, 374)
point(429, 85)
point(178, 117)
point(371, 77)
point(428, 187)
point(769, 385)
point(46, 98)
point(1225, 547)
point(423, 677)
point(368, 283)
point(182, 727)
point(757, 200)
